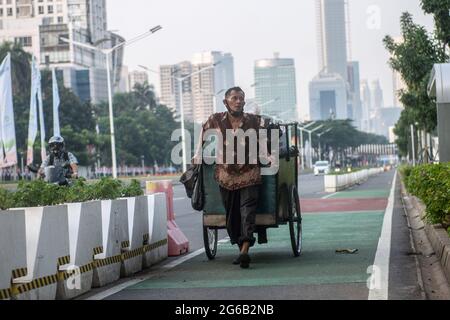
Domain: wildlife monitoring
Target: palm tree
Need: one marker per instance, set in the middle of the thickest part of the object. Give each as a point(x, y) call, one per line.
point(145, 95)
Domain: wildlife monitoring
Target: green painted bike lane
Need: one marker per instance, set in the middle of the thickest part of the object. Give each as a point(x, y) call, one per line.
point(273, 265)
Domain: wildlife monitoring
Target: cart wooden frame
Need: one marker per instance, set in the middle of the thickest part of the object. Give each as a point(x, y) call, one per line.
point(279, 199)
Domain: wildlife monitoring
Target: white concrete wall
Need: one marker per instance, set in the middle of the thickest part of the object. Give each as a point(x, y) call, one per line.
point(85, 235)
point(46, 242)
point(158, 245)
point(13, 254)
point(341, 182)
point(114, 232)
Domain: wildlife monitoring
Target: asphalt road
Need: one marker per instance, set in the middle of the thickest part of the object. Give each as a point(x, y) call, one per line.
point(320, 273)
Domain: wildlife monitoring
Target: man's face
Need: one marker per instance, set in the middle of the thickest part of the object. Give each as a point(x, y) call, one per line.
point(235, 102)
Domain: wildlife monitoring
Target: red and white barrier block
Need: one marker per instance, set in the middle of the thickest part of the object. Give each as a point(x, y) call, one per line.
point(178, 243)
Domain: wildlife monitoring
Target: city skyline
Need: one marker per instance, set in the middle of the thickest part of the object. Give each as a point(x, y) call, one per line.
point(256, 31)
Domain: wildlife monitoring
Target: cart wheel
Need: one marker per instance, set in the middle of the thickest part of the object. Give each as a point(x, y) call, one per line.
point(295, 222)
point(210, 238)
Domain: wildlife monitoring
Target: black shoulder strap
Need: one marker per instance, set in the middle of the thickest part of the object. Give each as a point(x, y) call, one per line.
point(51, 160)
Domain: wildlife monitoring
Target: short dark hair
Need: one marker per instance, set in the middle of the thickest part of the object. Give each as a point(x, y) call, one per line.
point(229, 91)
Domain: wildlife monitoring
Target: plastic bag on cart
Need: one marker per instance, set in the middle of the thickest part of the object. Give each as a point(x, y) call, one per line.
point(192, 180)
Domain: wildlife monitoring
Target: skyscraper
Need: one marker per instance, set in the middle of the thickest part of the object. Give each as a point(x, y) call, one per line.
point(202, 92)
point(39, 26)
point(328, 97)
point(334, 68)
point(170, 92)
point(332, 36)
point(208, 86)
point(366, 105)
point(354, 111)
point(276, 88)
point(137, 77)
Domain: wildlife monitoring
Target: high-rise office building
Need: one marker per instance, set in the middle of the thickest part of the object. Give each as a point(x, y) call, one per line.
point(377, 96)
point(137, 77)
point(208, 86)
point(276, 88)
point(366, 105)
point(334, 68)
point(170, 91)
point(39, 26)
point(328, 97)
point(354, 111)
point(203, 92)
point(332, 36)
point(398, 84)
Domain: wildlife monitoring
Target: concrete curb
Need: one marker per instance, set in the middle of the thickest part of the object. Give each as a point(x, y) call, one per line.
point(436, 234)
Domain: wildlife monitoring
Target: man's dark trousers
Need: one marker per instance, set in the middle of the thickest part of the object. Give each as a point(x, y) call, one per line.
point(241, 206)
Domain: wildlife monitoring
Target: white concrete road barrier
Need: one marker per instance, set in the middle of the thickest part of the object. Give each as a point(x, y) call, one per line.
point(157, 248)
point(133, 248)
point(13, 254)
point(64, 251)
point(47, 247)
point(85, 240)
point(336, 183)
point(115, 234)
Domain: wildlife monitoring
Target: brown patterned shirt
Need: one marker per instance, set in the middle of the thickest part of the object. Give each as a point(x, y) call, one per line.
point(236, 176)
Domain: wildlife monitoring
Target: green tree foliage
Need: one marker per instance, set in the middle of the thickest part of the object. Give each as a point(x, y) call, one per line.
point(414, 58)
point(343, 135)
point(440, 10)
point(143, 128)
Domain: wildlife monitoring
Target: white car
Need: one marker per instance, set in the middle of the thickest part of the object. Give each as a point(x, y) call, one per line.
point(322, 167)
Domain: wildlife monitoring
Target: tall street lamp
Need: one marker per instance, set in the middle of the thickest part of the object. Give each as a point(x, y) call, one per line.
point(107, 53)
point(301, 141)
point(320, 145)
point(180, 81)
point(310, 142)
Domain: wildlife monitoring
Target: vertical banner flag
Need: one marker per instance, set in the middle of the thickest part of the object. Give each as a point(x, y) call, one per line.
point(41, 115)
point(32, 125)
point(56, 129)
point(7, 129)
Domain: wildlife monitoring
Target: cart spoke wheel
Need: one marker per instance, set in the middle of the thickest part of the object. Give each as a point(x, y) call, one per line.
point(210, 239)
point(295, 222)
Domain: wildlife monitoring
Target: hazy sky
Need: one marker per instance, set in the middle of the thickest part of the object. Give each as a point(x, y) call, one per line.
point(255, 29)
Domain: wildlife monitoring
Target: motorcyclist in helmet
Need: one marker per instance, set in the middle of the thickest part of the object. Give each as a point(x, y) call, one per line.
point(60, 157)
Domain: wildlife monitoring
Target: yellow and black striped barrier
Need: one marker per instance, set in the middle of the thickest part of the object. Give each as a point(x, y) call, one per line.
point(133, 253)
point(155, 245)
point(98, 250)
point(125, 244)
point(35, 284)
point(63, 261)
point(76, 271)
point(5, 294)
point(107, 261)
point(19, 273)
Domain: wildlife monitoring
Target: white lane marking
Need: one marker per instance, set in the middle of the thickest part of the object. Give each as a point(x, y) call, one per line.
point(330, 195)
point(179, 199)
point(380, 290)
point(116, 289)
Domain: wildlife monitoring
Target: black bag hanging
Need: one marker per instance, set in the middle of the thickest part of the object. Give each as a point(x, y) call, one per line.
point(192, 180)
point(198, 196)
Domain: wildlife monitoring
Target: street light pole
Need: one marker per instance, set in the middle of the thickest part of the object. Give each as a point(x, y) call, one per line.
point(320, 143)
point(108, 53)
